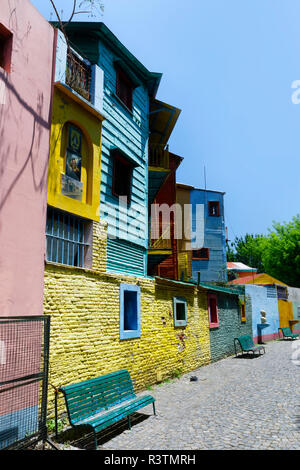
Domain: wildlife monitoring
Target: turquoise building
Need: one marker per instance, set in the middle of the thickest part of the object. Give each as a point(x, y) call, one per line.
point(128, 90)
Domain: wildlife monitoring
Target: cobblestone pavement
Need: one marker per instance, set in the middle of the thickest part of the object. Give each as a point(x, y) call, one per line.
point(237, 403)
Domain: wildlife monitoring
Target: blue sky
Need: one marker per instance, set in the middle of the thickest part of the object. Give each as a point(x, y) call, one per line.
point(229, 65)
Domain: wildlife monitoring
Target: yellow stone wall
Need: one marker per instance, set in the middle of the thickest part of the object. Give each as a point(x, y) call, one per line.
point(85, 321)
point(67, 108)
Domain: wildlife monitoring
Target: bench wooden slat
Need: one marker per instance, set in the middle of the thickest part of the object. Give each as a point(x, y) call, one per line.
point(101, 401)
point(247, 345)
point(287, 333)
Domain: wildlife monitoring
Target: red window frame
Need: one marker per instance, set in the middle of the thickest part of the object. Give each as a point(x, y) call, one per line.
point(124, 89)
point(212, 205)
point(118, 158)
point(6, 39)
point(201, 254)
point(213, 313)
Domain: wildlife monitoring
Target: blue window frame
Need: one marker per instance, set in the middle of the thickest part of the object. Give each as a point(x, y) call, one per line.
point(180, 311)
point(130, 311)
point(66, 238)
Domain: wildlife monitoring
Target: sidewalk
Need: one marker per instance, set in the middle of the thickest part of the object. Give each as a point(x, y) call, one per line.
point(236, 403)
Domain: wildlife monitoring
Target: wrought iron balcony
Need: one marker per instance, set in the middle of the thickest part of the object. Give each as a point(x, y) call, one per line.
point(78, 75)
point(159, 156)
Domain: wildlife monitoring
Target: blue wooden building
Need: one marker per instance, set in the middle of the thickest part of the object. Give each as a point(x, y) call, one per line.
point(202, 248)
point(128, 89)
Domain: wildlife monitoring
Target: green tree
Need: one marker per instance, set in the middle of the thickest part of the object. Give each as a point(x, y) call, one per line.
point(247, 250)
point(281, 254)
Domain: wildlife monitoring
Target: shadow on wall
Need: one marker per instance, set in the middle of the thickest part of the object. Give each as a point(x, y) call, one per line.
point(13, 110)
point(31, 158)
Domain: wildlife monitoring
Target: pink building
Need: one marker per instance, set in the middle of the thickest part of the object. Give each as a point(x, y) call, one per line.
point(26, 69)
point(26, 76)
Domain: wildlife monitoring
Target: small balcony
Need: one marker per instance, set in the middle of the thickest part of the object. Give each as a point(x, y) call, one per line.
point(159, 156)
point(78, 75)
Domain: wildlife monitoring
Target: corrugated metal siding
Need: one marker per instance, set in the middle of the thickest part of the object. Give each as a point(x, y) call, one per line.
point(123, 257)
point(215, 269)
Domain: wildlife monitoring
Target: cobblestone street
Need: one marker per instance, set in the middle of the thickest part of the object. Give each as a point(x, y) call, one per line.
point(237, 403)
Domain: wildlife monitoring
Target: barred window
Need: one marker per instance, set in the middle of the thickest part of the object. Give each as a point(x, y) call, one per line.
point(66, 238)
point(282, 293)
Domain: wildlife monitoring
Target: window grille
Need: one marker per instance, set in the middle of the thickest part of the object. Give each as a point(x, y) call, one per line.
point(78, 75)
point(66, 240)
point(282, 293)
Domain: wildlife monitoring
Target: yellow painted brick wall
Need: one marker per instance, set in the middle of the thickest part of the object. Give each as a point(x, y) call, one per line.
point(85, 321)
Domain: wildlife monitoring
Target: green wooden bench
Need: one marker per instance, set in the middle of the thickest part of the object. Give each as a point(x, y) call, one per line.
point(286, 332)
point(247, 345)
point(97, 403)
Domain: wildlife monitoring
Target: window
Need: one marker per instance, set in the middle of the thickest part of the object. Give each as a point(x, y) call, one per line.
point(67, 238)
point(180, 311)
point(282, 293)
point(71, 181)
point(124, 89)
point(271, 292)
point(202, 254)
point(5, 48)
point(213, 311)
point(122, 175)
point(214, 208)
point(243, 312)
point(130, 311)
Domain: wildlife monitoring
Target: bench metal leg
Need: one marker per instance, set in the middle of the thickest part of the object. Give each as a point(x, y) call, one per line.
point(95, 440)
point(129, 423)
point(154, 412)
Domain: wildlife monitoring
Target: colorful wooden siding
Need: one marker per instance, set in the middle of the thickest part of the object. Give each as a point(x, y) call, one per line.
point(167, 195)
point(125, 257)
point(128, 131)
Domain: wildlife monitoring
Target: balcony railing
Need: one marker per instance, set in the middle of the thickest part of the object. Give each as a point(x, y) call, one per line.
point(159, 156)
point(78, 75)
point(164, 241)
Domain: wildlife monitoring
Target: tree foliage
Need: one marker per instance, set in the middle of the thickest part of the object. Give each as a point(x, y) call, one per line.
point(247, 250)
point(281, 256)
point(277, 254)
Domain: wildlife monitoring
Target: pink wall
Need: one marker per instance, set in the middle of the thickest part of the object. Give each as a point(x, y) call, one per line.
point(25, 116)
